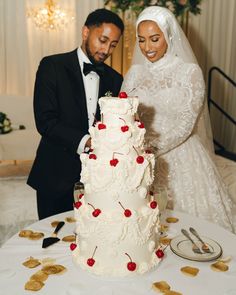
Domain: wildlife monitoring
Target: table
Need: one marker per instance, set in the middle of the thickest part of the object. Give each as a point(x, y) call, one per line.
point(13, 275)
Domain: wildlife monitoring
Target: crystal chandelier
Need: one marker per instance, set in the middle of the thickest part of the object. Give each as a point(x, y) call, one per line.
point(51, 16)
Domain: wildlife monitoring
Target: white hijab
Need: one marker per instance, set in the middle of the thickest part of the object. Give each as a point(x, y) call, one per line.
point(178, 44)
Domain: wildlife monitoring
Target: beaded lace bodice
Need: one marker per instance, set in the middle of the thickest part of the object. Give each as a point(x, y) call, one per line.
point(171, 99)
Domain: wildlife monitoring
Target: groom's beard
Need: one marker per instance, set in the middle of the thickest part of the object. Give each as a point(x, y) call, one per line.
point(90, 56)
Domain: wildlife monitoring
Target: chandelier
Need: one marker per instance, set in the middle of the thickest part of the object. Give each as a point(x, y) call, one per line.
point(50, 16)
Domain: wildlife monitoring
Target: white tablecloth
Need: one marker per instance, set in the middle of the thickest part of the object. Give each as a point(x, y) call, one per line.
point(13, 275)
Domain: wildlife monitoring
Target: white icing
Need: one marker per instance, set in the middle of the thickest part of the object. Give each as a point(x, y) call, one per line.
point(112, 189)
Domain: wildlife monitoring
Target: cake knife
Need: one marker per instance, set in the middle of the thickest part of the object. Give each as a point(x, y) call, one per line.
point(53, 239)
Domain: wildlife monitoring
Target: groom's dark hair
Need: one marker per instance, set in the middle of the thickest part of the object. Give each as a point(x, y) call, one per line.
point(102, 15)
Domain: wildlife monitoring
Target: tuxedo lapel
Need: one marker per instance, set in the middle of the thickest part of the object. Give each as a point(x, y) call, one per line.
point(75, 73)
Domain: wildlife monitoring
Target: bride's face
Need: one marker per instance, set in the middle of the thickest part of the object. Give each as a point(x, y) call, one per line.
point(151, 40)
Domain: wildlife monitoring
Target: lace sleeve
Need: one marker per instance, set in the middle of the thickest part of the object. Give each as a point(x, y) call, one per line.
point(132, 79)
point(182, 105)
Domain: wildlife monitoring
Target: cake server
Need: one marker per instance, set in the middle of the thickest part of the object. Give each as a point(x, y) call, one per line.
point(53, 239)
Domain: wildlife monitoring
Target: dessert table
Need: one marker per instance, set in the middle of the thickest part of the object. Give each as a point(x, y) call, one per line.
point(14, 275)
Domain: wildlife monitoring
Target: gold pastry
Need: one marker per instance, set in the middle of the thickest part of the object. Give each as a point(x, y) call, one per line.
point(219, 266)
point(39, 276)
point(33, 285)
point(31, 262)
point(70, 238)
point(53, 269)
point(190, 271)
point(160, 286)
point(172, 219)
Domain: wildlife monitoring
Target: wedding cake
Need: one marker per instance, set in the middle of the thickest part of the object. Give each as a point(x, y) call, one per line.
point(117, 218)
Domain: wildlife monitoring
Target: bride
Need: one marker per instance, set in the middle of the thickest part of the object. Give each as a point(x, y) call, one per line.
point(170, 86)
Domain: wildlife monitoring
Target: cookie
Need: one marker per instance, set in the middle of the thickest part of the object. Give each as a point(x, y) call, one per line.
point(31, 262)
point(171, 292)
point(165, 241)
point(53, 269)
point(35, 236)
point(70, 238)
point(25, 233)
point(160, 286)
point(219, 266)
point(54, 223)
point(39, 276)
point(70, 219)
point(172, 219)
point(33, 285)
point(190, 271)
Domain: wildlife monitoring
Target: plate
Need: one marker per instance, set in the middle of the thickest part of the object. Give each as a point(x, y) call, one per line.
point(182, 247)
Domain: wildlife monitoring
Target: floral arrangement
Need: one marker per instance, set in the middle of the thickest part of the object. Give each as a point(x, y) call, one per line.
point(5, 124)
point(178, 7)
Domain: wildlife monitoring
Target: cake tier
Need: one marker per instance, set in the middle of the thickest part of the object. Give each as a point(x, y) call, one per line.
point(113, 234)
point(122, 138)
point(117, 106)
point(122, 173)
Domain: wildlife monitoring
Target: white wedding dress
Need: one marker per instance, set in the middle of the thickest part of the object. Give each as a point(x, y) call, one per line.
point(171, 94)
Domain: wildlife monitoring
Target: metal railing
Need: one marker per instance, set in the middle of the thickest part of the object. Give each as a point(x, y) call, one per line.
point(222, 151)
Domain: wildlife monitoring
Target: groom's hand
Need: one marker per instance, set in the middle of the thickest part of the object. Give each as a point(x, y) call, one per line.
point(88, 143)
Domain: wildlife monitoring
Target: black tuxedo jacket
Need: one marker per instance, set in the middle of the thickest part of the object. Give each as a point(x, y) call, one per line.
point(61, 118)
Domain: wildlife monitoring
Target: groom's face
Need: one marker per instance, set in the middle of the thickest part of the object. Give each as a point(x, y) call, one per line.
point(99, 42)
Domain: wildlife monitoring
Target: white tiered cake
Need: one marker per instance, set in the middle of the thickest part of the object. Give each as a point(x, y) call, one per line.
point(117, 219)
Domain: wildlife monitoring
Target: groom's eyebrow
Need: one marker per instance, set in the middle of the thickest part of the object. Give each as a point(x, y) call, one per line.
point(105, 37)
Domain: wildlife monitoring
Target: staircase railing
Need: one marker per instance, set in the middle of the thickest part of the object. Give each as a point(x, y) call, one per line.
point(222, 151)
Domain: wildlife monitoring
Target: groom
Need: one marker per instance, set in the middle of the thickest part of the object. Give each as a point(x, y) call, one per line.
point(67, 89)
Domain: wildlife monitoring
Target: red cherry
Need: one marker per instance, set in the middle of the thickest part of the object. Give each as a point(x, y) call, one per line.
point(81, 196)
point(122, 94)
point(141, 125)
point(101, 126)
point(91, 150)
point(124, 128)
point(77, 204)
point(73, 246)
point(140, 159)
point(96, 212)
point(159, 253)
point(127, 213)
point(130, 265)
point(114, 162)
point(92, 156)
point(153, 204)
point(90, 262)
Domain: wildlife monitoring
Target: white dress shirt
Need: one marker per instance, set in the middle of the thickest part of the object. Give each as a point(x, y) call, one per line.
point(91, 86)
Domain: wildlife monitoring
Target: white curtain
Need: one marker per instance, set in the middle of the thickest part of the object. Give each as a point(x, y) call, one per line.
point(22, 45)
point(212, 36)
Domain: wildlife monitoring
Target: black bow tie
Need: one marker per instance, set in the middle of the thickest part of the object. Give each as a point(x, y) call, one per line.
point(99, 69)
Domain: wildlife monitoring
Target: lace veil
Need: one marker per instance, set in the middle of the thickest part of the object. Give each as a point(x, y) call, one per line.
point(178, 45)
